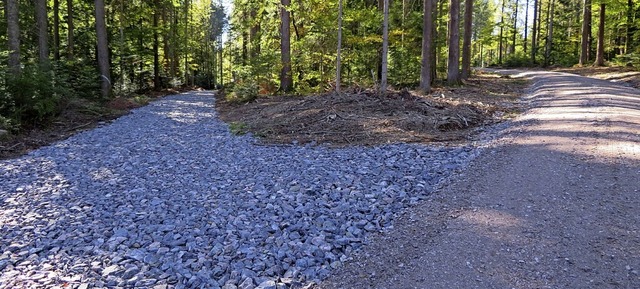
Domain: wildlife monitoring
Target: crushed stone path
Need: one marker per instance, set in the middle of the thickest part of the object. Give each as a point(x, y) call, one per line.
point(554, 204)
point(167, 197)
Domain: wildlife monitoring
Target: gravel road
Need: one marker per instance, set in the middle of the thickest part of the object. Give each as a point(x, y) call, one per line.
point(167, 197)
point(554, 204)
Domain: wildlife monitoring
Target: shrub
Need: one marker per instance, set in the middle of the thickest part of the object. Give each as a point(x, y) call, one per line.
point(243, 92)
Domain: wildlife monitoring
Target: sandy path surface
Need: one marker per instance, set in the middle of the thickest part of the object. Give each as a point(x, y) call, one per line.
point(555, 203)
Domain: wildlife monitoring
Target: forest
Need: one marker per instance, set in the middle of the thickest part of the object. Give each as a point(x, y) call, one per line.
point(54, 51)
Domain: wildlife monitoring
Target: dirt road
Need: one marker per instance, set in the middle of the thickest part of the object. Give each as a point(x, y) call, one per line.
point(555, 203)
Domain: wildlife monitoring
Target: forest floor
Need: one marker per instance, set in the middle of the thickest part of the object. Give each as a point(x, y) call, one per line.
point(365, 117)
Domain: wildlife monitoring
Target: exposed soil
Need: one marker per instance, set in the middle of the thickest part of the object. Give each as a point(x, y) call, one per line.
point(628, 75)
point(78, 115)
point(365, 117)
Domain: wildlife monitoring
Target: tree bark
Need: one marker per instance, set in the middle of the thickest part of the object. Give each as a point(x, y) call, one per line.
point(547, 53)
point(254, 34)
point(466, 39)
point(156, 51)
point(453, 64)
point(43, 33)
point(629, 43)
point(526, 26)
point(338, 60)
point(600, 51)
point(56, 30)
point(13, 35)
point(534, 45)
point(586, 33)
point(70, 41)
point(427, 46)
point(286, 80)
point(515, 29)
point(500, 44)
point(385, 46)
point(103, 50)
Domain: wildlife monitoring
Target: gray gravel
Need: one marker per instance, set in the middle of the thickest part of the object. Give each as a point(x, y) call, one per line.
point(167, 197)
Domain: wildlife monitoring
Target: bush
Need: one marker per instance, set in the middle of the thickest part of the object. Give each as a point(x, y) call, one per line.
point(242, 92)
point(519, 59)
point(33, 97)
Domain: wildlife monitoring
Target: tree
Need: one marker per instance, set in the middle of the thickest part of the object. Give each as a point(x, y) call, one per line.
point(338, 60)
point(385, 47)
point(13, 35)
point(515, 27)
point(286, 80)
point(103, 49)
point(453, 67)
point(526, 25)
point(586, 33)
point(600, 51)
point(534, 44)
point(501, 39)
point(466, 42)
point(56, 30)
point(43, 33)
point(547, 52)
point(427, 46)
point(70, 27)
point(156, 44)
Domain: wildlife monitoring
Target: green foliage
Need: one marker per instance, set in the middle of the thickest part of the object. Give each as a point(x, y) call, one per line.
point(519, 59)
point(238, 128)
point(33, 97)
point(629, 60)
point(243, 92)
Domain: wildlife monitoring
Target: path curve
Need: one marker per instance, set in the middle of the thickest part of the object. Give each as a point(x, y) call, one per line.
point(554, 204)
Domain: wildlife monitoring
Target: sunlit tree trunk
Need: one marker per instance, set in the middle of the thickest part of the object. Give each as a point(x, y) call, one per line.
point(385, 46)
point(500, 40)
point(338, 60)
point(13, 35)
point(466, 42)
point(547, 53)
point(586, 33)
point(453, 63)
point(526, 26)
point(103, 50)
point(427, 46)
point(286, 80)
point(515, 28)
point(600, 51)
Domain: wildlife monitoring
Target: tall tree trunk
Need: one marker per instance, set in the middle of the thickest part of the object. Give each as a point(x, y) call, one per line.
point(103, 50)
point(286, 80)
point(70, 27)
point(56, 30)
point(500, 44)
point(630, 28)
point(254, 34)
point(515, 28)
point(13, 35)
point(43, 33)
point(534, 30)
point(427, 46)
point(385, 46)
point(186, 42)
point(547, 52)
point(586, 33)
point(526, 26)
point(600, 51)
point(453, 63)
point(466, 39)
point(338, 60)
point(156, 44)
point(434, 35)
